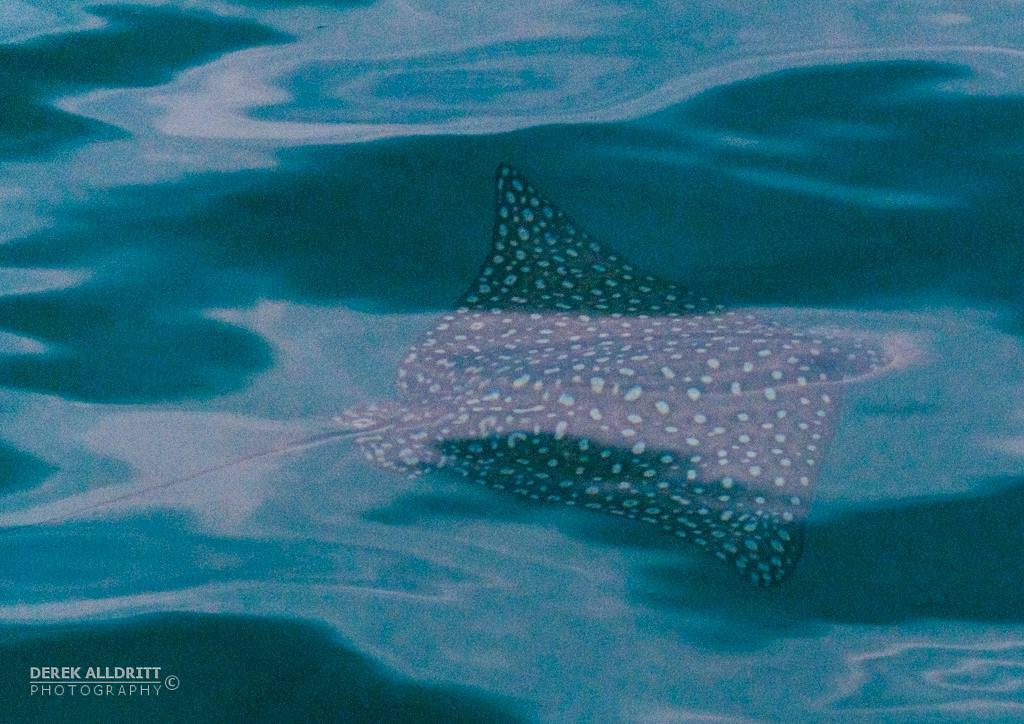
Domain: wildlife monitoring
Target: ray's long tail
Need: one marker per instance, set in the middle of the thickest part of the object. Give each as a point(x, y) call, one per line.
point(345, 432)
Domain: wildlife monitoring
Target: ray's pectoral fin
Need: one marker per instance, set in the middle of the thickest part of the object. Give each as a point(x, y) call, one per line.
point(541, 260)
point(761, 545)
point(755, 532)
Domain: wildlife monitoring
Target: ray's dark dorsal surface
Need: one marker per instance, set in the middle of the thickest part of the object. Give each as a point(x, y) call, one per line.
point(565, 375)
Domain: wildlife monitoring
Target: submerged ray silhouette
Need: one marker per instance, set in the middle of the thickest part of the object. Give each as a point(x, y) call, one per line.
point(566, 375)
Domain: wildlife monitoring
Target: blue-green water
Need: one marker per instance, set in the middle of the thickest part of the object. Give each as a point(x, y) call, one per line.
point(225, 222)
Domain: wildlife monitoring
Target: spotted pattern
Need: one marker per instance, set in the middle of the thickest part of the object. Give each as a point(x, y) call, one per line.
point(567, 376)
point(541, 261)
point(757, 536)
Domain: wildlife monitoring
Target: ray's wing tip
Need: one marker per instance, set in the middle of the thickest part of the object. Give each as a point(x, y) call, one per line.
point(504, 170)
point(772, 578)
point(504, 174)
point(771, 561)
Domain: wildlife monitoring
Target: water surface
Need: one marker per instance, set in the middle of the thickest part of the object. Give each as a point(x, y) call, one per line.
point(225, 222)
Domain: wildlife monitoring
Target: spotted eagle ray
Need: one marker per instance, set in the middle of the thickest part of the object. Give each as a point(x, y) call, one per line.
point(566, 375)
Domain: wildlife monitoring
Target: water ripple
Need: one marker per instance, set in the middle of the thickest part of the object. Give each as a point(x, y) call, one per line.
point(969, 679)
